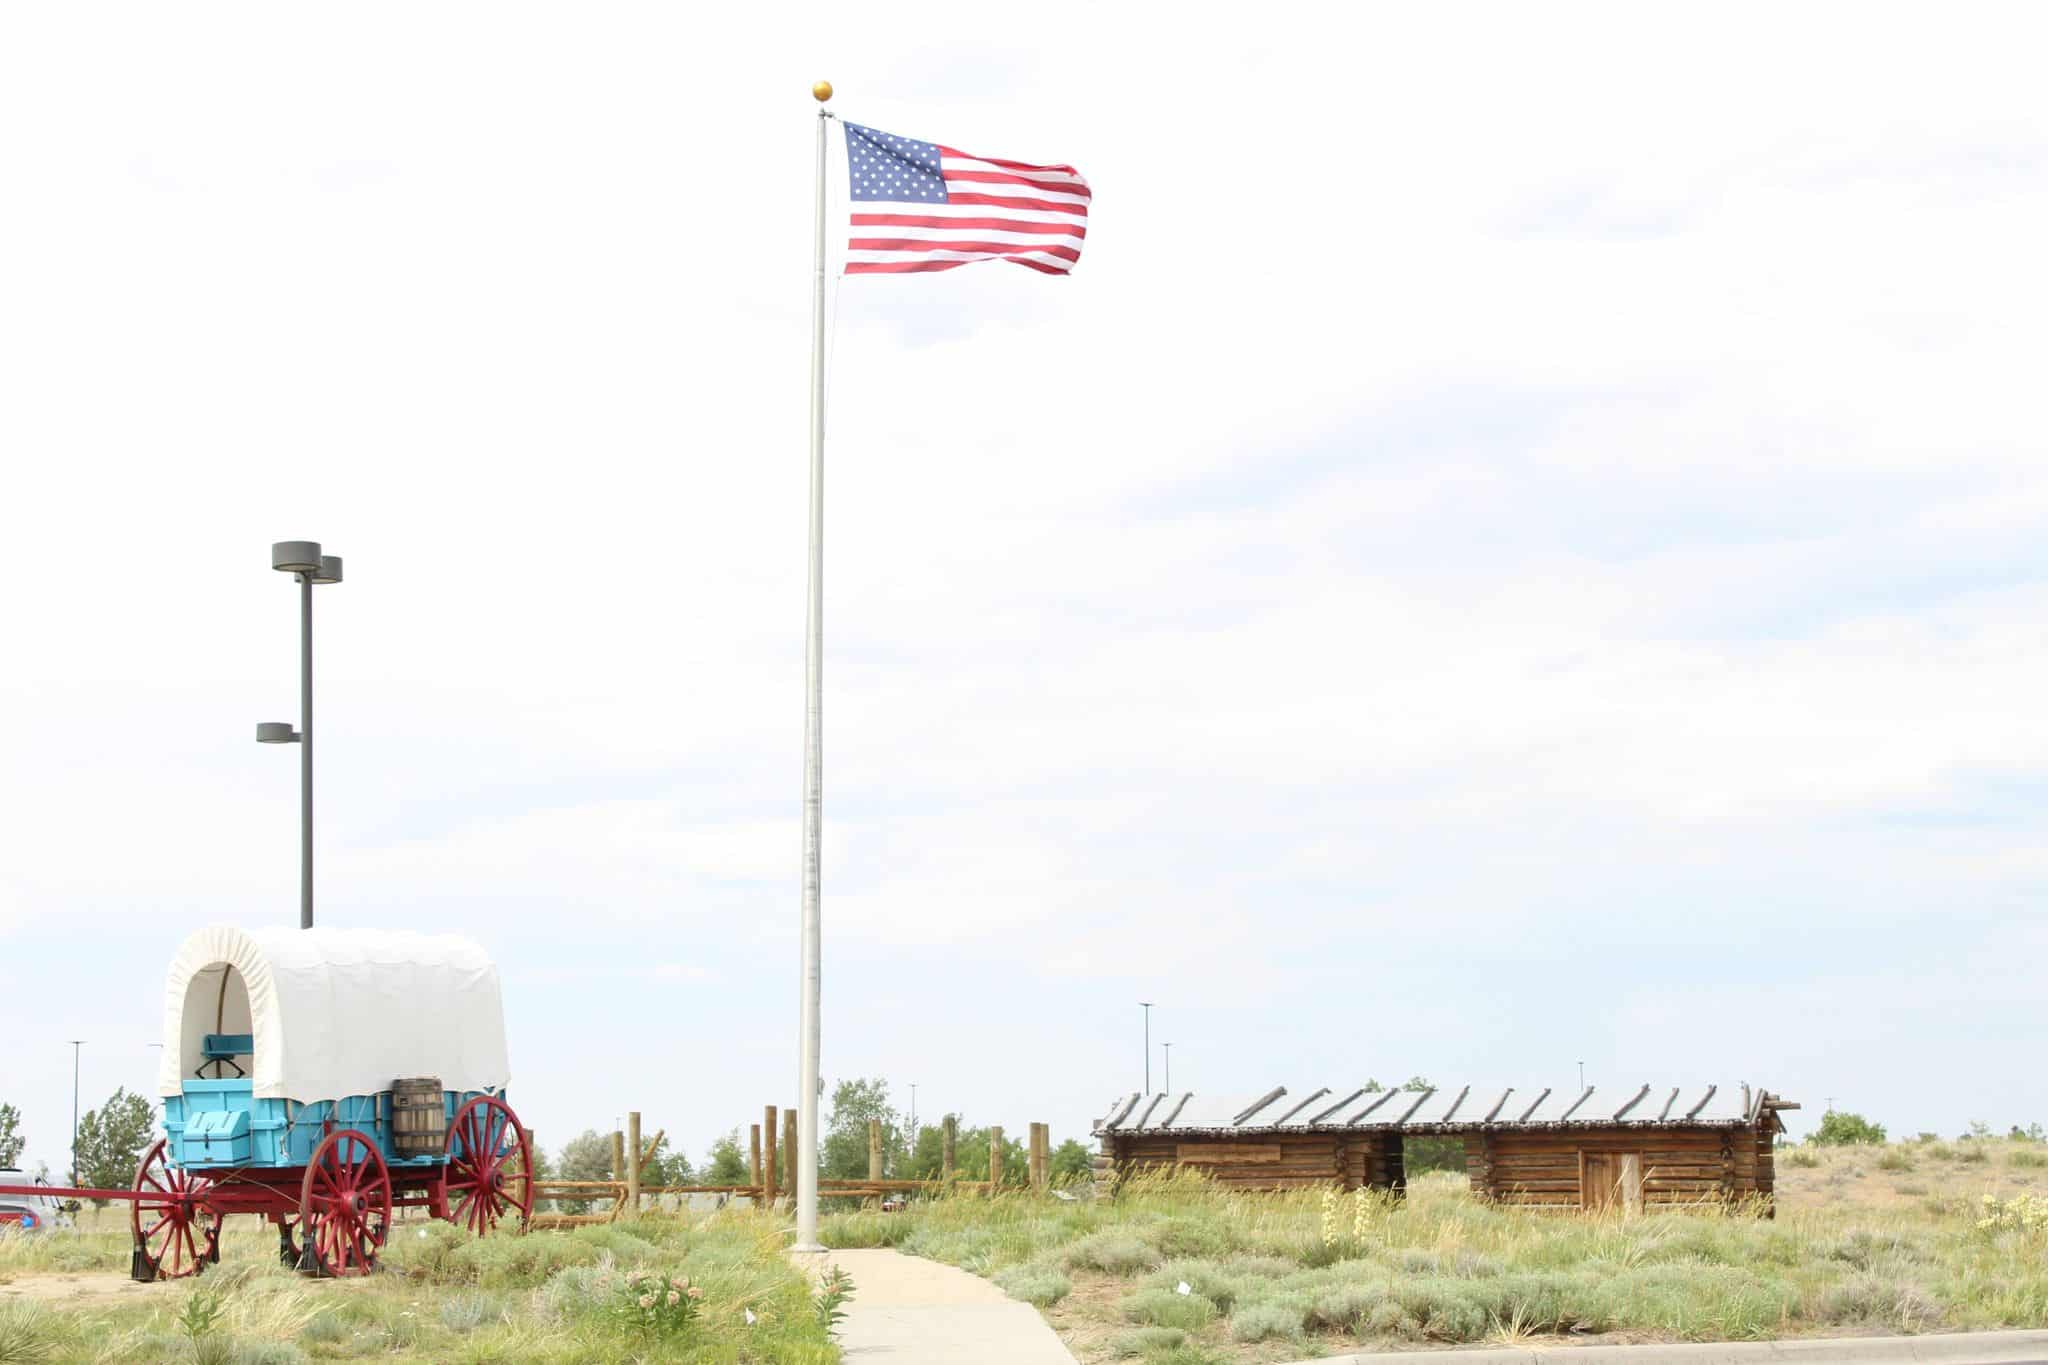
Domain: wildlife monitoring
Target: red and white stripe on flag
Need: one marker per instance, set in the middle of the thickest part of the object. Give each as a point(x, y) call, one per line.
point(920, 206)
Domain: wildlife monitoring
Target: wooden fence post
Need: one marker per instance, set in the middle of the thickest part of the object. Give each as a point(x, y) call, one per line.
point(1038, 1156)
point(618, 1155)
point(633, 1161)
point(770, 1172)
point(995, 1159)
point(789, 1153)
point(755, 1173)
point(874, 1149)
point(951, 1134)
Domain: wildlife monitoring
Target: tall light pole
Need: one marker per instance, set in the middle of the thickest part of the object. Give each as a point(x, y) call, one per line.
point(1148, 1044)
point(913, 1114)
point(1169, 1066)
point(303, 560)
point(1582, 1078)
point(76, 1044)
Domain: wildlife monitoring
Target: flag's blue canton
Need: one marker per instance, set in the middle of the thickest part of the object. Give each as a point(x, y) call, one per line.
point(883, 166)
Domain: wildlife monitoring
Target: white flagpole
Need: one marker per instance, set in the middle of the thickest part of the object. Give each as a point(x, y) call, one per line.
point(806, 1159)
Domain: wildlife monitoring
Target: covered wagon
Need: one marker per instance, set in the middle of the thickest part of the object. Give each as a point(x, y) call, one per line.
point(321, 1079)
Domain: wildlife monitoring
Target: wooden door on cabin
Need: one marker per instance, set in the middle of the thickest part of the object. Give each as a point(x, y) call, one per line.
point(1611, 1182)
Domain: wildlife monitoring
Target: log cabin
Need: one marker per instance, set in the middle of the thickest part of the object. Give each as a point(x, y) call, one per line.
point(1626, 1151)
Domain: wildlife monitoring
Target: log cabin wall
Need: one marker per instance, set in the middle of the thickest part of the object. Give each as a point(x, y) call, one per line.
point(1256, 1161)
point(1271, 1161)
point(1678, 1166)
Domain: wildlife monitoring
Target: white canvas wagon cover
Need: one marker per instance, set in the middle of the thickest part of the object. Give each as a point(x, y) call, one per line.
point(336, 1012)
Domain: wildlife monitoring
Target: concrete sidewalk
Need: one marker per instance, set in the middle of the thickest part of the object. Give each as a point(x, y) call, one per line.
point(908, 1311)
point(1943, 1348)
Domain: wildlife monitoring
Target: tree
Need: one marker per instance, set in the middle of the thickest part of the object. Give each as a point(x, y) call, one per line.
point(1839, 1128)
point(1071, 1161)
point(845, 1150)
point(668, 1166)
point(927, 1158)
point(111, 1139)
point(543, 1169)
point(587, 1156)
point(728, 1164)
point(1421, 1155)
point(11, 1141)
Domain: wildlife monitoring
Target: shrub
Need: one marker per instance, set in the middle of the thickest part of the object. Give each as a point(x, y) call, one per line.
point(656, 1303)
point(1042, 1286)
point(1457, 1322)
point(266, 1353)
point(1170, 1308)
point(327, 1328)
point(1116, 1253)
point(570, 1293)
point(1877, 1300)
point(1146, 1340)
point(1347, 1307)
point(1940, 1151)
point(1262, 1267)
point(1206, 1278)
point(24, 1334)
point(464, 1313)
point(1187, 1353)
point(1265, 1321)
point(1895, 1159)
point(1389, 1319)
point(1972, 1154)
point(1840, 1128)
point(2026, 1157)
point(1802, 1156)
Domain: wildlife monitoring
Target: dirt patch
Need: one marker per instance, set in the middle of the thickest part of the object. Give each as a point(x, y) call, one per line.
point(75, 1290)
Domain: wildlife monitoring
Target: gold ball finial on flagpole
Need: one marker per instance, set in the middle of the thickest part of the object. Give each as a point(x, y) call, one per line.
point(822, 91)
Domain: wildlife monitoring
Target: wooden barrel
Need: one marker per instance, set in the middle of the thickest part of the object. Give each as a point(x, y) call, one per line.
point(419, 1117)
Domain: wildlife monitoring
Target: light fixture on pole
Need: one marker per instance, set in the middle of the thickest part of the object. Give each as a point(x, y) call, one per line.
point(1582, 1078)
point(76, 1044)
point(303, 560)
point(1169, 1066)
point(1147, 1005)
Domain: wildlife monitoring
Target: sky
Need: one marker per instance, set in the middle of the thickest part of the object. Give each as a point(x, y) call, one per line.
point(1519, 545)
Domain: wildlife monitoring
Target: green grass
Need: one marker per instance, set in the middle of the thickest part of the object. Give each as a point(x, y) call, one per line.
point(442, 1296)
point(1846, 1253)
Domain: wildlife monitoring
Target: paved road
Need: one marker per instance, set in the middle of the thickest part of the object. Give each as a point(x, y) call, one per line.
point(1936, 1348)
point(908, 1311)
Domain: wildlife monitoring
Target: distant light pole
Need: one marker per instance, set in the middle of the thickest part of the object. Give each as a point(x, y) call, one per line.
point(913, 1112)
point(76, 1044)
point(1148, 1045)
point(303, 560)
point(1169, 1066)
point(1582, 1078)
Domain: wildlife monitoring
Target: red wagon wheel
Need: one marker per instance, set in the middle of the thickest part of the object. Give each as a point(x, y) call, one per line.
point(490, 1167)
point(345, 1204)
point(175, 1233)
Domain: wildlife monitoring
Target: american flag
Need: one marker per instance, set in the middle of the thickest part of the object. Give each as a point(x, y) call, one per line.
point(920, 206)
